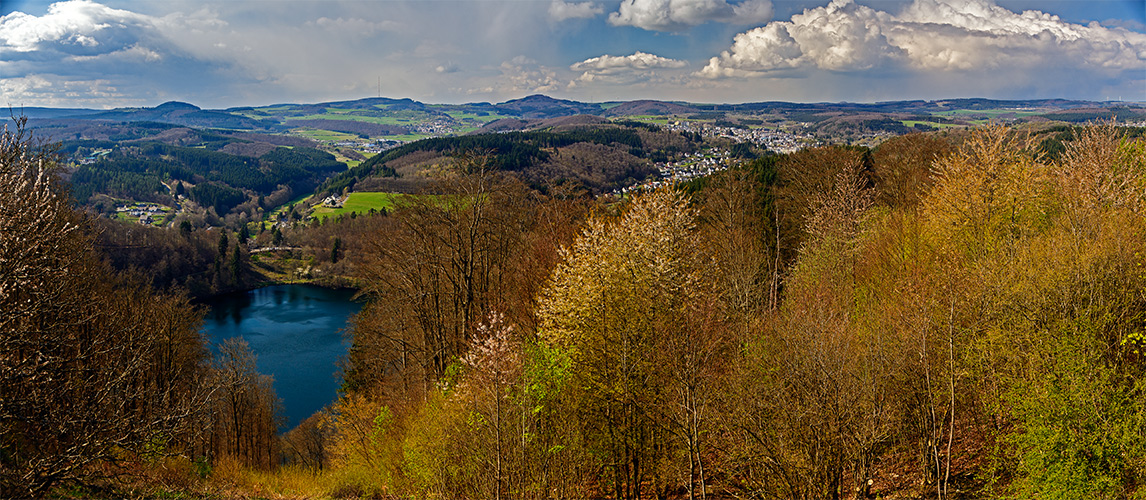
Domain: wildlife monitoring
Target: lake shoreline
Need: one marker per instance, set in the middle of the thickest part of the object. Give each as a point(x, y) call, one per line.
point(329, 283)
point(297, 332)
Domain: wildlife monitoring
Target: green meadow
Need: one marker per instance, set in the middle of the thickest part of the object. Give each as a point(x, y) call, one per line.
point(655, 119)
point(378, 120)
point(982, 116)
point(912, 123)
point(323, 135)
point(361, 203)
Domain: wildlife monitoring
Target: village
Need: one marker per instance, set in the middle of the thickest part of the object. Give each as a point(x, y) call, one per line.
point(772, 139)
point(370, 147)
point(144, 213)
point(698, 164)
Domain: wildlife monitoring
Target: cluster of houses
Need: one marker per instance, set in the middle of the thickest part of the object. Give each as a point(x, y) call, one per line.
point(146, 213)
point(94, 156)
point(693, 165)
point(435, 128)
point(369, 147)
point(775, 140)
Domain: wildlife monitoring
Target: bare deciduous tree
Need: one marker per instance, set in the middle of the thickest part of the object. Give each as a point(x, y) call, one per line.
point(93, 368)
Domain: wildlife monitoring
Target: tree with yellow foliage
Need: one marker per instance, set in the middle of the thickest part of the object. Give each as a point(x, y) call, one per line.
point(633, 306)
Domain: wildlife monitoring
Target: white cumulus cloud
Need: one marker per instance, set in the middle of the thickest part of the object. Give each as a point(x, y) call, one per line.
point(638, 61)
point(677, 15)
point(638, 67)
point(93, 53)
point(560, 10)
point(928, 35)
point(77, 27)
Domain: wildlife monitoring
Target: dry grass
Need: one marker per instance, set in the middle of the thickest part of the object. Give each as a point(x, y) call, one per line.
point(230, 479)
point(233, 480)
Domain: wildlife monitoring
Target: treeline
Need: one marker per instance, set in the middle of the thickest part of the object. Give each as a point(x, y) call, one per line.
point(530, 155)
point(1119, 113)
point(222, 181)
point(203, 262)
point(937, 317)
point(103, 378)
point(1053, 140)
point(514, 150)
point(192, 261)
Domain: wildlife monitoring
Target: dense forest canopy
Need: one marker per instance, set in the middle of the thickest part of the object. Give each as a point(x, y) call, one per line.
point(533, 155)
point(808, 326)
point(220, 180)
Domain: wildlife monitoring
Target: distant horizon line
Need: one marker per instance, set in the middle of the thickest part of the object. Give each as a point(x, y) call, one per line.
point(14, 107)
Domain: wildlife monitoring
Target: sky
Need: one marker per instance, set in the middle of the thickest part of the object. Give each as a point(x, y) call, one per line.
point(218, 54)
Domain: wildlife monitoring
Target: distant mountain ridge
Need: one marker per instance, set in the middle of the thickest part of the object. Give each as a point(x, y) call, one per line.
point(542, 106)
point(529, 108)
point(171, 112)
point(648, 107)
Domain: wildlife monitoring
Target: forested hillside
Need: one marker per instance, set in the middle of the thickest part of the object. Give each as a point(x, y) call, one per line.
point(948, 318)
point(947, 315)
point(104, 380)
point(217, 180)
point(928, 318)
point(611, 155)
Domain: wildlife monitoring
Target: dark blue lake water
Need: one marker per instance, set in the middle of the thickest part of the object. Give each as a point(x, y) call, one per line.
point(297, 333)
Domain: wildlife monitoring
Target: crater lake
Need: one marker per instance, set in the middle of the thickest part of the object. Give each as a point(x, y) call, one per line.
point(297, 334)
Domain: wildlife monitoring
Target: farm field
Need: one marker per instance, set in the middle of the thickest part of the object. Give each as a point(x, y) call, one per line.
point(360, 202)
point(912, 123)
point(982, 116)
point(378, 120)
point(654, 119)
point(323, 135)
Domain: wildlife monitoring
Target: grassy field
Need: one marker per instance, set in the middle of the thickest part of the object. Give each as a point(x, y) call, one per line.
point(655, 119)
point(911, 123)
point(973, 115)
point(324, 135)
point(361, 203)
point(989, 112)
point(378, 120)
point(160, 218)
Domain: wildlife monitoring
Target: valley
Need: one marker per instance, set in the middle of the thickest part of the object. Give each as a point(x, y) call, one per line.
point(208, 165)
